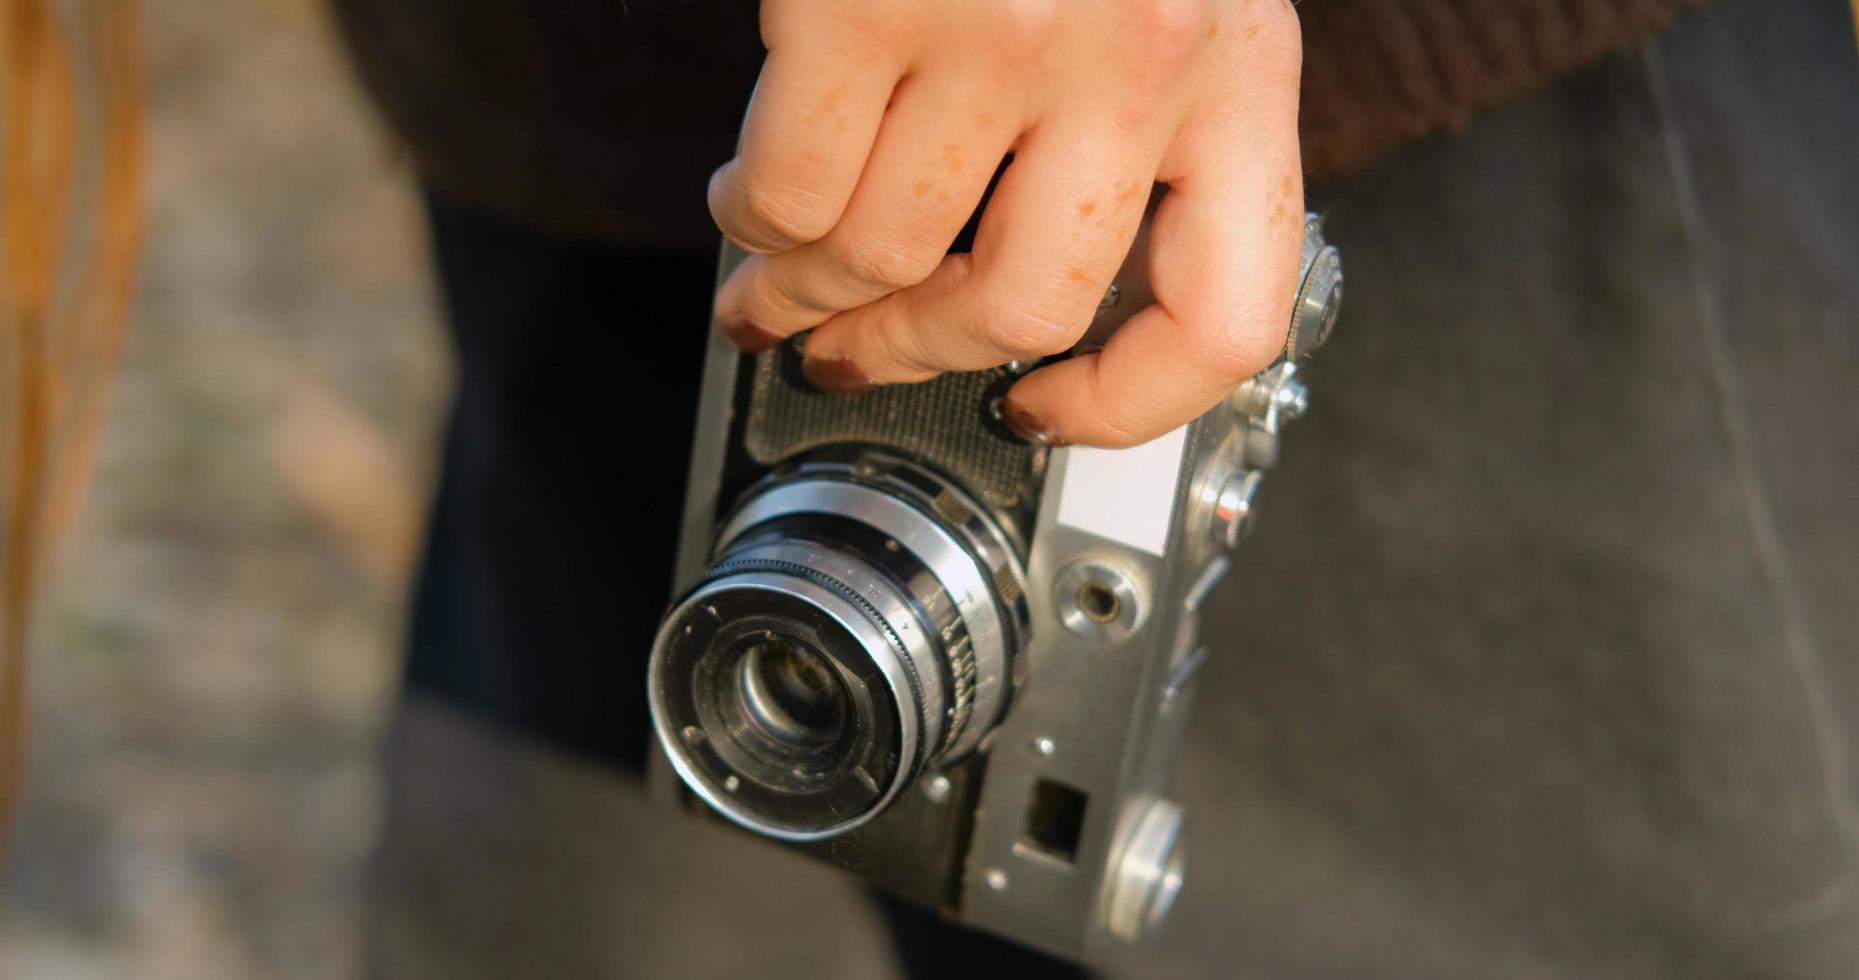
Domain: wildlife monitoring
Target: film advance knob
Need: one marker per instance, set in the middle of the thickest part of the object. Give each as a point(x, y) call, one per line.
point(1319, 294)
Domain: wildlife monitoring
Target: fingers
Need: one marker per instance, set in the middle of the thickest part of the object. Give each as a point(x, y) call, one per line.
point(858, 222)
point(1055, 231)
point(1223, 260)
point(804, 141)
point(938, 147)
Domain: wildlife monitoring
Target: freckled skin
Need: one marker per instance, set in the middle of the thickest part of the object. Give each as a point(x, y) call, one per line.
point(952, 157)
point(1283, 214)
point(1281, 197)
point(830, 111)
point(1149, 86)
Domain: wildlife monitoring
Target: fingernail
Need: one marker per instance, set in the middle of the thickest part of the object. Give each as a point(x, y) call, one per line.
point(837, 376)
point(750, 338)
point(1030, 425)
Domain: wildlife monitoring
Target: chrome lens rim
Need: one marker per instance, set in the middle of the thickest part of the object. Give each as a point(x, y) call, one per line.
point(973, 580)
point(925, 597)
point(690, 673)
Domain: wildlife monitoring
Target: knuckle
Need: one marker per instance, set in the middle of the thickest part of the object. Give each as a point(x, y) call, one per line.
point(784, 213)
point(1168, 31)
point(1278, 45)
point(784, 22)
point(1277, 15)
point(897, 343)
point(1029, 25)
point(1024, 333)
point(1120, 435)
point(1119, 426)
point(794, 297)
point(802, 23)
point(886, 267)
point(1245, 346)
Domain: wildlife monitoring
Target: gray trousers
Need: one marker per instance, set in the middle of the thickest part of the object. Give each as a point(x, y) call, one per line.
point(1544, 660)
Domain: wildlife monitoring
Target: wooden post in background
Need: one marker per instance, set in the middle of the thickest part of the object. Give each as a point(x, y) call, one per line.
point(71, 161)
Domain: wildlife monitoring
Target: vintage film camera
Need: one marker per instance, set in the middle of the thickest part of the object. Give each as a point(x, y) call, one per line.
point(960, 665)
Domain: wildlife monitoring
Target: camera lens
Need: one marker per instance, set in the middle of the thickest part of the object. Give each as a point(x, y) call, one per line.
point(857, 627)
point(792, 694)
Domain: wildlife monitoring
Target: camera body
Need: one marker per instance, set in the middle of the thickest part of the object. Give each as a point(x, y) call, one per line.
point(945, 659)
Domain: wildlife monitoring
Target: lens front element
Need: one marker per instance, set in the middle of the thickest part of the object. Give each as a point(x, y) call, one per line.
point(792, 694)
point(848, 636)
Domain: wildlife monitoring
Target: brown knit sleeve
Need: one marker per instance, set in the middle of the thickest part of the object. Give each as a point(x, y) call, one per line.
point(1378, 73)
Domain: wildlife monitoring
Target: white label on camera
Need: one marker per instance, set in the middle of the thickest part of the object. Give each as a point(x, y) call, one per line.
point(1125, 495)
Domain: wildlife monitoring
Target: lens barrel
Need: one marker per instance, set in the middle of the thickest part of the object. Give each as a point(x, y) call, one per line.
point(858, 626)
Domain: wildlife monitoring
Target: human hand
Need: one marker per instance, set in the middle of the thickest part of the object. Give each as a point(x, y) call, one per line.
point(877, 125)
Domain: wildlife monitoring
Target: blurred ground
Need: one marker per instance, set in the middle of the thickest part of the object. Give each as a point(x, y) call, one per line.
point(214, 661)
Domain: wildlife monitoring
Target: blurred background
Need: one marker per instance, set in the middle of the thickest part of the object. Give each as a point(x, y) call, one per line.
point(217, 651)
point(1542, 705)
